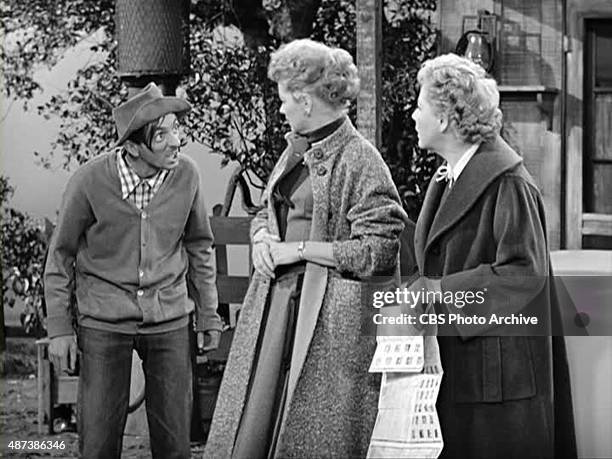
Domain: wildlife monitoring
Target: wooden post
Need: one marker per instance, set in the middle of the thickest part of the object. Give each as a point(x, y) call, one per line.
point(369, 63)
point(2, 327)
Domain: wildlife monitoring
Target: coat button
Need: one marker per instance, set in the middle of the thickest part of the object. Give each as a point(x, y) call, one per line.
point(318, 154)
point(321, 171)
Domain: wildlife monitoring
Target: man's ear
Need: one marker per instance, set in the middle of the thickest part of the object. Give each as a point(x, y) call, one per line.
point(132, 149)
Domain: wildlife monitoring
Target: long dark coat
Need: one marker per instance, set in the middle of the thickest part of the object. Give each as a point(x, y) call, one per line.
point(498, 394)
point(332, 399)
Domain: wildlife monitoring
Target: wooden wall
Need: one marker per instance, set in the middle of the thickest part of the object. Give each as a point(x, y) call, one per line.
point(528, 70)
point(577, 12)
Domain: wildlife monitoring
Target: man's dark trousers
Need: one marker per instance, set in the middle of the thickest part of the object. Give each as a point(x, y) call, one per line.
point(104, 390)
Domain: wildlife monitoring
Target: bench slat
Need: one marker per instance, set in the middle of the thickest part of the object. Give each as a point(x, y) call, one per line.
point(231, 230)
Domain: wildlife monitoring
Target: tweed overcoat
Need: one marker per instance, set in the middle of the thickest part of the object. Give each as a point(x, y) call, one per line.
point(498, 394)
point(331, 399)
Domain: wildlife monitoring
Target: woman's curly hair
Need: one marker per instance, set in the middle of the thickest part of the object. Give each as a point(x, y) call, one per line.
point(462, 90)
point(308, 65)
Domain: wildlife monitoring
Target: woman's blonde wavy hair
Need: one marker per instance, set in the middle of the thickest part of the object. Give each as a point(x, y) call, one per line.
point(311, 66)
point(462, 90)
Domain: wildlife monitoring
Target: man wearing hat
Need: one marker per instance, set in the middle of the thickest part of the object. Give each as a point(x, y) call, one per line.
point(132, 233)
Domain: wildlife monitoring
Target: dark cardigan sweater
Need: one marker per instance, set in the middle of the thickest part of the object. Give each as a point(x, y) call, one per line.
point(130, 267)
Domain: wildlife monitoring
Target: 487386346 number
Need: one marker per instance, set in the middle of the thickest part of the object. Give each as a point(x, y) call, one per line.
point(36, 444)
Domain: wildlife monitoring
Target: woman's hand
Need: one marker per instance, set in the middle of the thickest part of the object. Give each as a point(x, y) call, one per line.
point(263, 236)
point(262, 259)
point(284, 253)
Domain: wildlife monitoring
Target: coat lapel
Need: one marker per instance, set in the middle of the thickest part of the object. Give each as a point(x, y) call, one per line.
point(428, 212)
point(490, 161)
point(287, 161)
point(297, 144)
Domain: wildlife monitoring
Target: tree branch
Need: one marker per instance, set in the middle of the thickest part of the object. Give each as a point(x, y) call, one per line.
point(105, 101)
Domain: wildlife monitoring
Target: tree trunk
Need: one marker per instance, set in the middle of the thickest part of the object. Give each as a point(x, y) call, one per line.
point(369, 63)
point(2, 328)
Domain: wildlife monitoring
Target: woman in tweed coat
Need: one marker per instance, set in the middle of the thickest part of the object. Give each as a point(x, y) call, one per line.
point(296, 382)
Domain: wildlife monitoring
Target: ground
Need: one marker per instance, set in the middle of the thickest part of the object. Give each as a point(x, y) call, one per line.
point(18, 414)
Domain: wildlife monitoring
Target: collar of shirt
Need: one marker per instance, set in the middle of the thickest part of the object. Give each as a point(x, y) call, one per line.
point(463, 161)
point(130, 180)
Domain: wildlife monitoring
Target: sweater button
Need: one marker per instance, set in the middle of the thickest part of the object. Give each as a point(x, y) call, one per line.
point(144, 215)
point(321, 171)
point(141, 273)
point(318, 154)
point(140, 292)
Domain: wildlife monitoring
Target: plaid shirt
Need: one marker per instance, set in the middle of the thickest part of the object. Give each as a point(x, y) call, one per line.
point(138, 190)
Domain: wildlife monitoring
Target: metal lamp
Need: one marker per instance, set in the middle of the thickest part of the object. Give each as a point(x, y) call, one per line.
point(474, 45)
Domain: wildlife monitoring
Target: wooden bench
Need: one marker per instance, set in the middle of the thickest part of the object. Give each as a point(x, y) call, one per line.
point(228, 232)
point(52, 389)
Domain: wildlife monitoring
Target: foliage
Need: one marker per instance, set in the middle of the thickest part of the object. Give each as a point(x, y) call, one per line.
point(23, 252)
point(235, 106)
point(85, 110)
point(40, 32)
point(19, 361)
point(408, 40)
point(6, 190)
point(336, 24)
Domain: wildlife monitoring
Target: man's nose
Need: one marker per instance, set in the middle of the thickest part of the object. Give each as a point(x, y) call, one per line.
point(174, 140)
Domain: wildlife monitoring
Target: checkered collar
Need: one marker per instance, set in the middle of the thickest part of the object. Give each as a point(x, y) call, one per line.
point(130, 180)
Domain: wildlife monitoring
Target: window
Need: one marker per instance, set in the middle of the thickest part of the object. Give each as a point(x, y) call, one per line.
point(598, 120)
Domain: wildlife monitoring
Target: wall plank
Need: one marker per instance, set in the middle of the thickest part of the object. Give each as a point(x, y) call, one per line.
point(577, 12)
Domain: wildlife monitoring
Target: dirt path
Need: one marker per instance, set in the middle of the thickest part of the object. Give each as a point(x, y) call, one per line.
point(18, 422)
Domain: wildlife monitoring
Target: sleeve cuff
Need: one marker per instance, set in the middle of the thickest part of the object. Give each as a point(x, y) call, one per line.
point(257, 224)
point(207, 323)
point(341, 251)
point(59, 326)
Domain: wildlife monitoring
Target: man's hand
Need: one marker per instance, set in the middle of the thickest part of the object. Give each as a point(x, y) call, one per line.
point(63, 353)
point(214, 337)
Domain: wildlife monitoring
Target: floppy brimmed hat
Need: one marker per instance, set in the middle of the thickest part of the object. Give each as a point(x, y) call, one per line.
point(146, 106)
